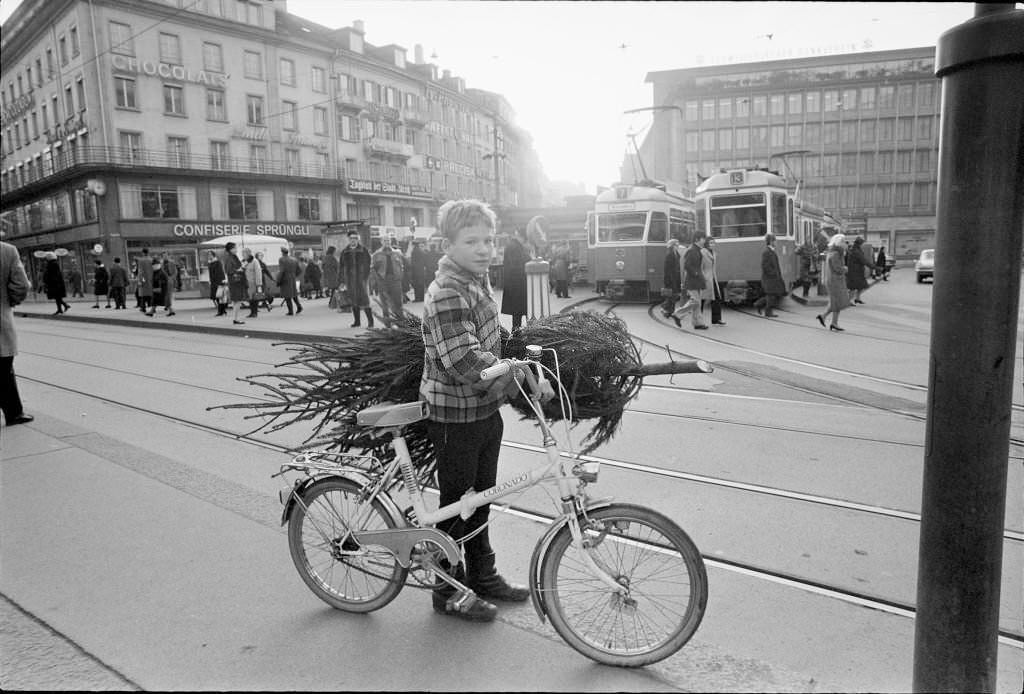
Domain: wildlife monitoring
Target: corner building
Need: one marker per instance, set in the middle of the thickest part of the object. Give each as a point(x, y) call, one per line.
point(859, 130)
point(134, 123)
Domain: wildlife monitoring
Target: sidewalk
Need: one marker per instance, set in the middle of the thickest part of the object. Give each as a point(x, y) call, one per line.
point(196, 314)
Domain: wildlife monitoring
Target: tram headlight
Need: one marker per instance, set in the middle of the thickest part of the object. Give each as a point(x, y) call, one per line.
point(620, 265)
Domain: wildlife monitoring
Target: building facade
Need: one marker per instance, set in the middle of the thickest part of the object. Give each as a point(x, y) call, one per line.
point(134, 123)
point(860, 132)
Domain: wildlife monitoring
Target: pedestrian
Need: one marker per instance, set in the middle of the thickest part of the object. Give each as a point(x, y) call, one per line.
point(332, 272)
point(314, 277)
point(433, 257)
point(386, 270)
point(713, 291)
point(355, 276)
point(133, 285)
point(773, 285)
point(253, 281)
point(14, 286)
point(118, 284)
point(835, 280)
point(215, 269)
point(418, 261)
point(100, 283)
point(856, 265)
point(694, 284)
point(560, 270)
point(267, 280)
point(53, 278)
point(145, 278)
point(808, 255)
point(462, 336)
point(881, 268)
point(671, 281)
point(287, 281)
point(76, 280)
point(234, 277)
point(513, 294)
point(166, 281)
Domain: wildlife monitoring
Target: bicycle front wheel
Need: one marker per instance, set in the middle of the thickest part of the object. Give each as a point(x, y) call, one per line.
point(658, 566)
point(340, 571)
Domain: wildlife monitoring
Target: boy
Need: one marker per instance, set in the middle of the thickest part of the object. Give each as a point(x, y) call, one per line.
point(461, 336)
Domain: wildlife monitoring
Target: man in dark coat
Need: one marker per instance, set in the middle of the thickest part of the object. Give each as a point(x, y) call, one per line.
point(145, 274)
point(216, 270)
point(355, 275)
point(118, 284)
point(53, 279)
point(332, 271)
point(513, 296)
point(417, 269)
point(100, 283)
point(287, 276)
point(672, 281)
point(387, 268)
point(772, 283)
point(857, 263)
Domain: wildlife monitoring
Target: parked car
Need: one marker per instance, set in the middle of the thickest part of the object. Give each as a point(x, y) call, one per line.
point(924, 266)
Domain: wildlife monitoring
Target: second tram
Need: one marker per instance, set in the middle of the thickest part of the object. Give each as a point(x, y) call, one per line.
point(737, 208)
point(627, 235)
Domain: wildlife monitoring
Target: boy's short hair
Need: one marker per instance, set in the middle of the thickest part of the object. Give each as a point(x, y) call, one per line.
point(455, 215)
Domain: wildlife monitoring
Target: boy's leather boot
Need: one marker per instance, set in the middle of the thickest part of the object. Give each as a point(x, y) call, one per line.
point(447, 600)
point(485, 580)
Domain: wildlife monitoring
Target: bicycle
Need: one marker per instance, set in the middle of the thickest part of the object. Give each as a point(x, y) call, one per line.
point(621, 583)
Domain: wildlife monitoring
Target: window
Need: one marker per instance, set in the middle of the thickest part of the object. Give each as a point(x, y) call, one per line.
point(289, 115)
point(308, 207)
point(707, 141)
point(287, 74)
point(778, 135)
point(174, 100)
point(371, 214)
point(901, 195)
point(319, 79)
point(777, 104)
point(831, 100)
point(848, 132)
point(249, 12)
point(258, 158)
point(253, 65)
point(220, 155)
point(240, 203)
point(742, 138)
point(924, 128)
point(692, 141)
point(759, 136)
point(62, 45)
point(830, 133)
point(215, 105)
point(177, 152)
point(849, 101)
point(905, 98)
point(158, 202)
point(867, 131)
point(794, 134)
point(886, 129)
point(924, 161)
point(50, 69)
point(725, 139)
point(46, 121)
point(349, 128)
point(926, 95)
point(124, 88)
point(707, 110)
point(883, 196)
point(170, 48)
point(292, 162)
point(319, 120)
point(760, 106)
point(80, 88)
point(885, 162)
point(121, 40)
point(213, 57)
point(69, 101)
point(813, 133)
point(813, 102)
point(742, 215)
point(924, 195)
point(691, 112)
point(849, 165)
point(905, 127)
point(867, 98)
point(743, 108)
point(867, 162)
point(886, 97)
point(830, 165)
point(73, 33)
point(904, 161)
point(323, 162)
point(725, 109)
point(28, 76)
point(131, 147)
point(812, 166)
point(254, 109)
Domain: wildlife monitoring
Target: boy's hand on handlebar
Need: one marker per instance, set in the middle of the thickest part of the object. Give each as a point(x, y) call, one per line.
point(547, 391)
point(507, 383)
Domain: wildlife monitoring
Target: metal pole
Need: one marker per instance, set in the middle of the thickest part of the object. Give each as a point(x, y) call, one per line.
point(980, 220)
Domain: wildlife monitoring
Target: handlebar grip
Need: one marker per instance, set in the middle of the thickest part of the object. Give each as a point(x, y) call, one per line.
point(492, 372)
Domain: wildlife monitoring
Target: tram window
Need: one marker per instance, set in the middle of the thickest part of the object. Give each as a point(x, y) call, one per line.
point(621, 226)
point(780, 220)
point(659, 228)
point(741, 222)
point(702, 220)
point(737, 200)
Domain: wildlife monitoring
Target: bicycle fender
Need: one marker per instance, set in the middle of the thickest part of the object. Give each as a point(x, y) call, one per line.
point(540, 551)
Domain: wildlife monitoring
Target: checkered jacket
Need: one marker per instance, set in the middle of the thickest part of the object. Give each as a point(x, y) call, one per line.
point(461, 335)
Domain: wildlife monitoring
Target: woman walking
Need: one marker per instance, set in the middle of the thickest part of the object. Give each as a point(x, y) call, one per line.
point(835, 280)
point(53, 278)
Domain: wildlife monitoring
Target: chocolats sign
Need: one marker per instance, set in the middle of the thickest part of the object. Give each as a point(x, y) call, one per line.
point(191, 230)
point(361, 186)
point(176, 72)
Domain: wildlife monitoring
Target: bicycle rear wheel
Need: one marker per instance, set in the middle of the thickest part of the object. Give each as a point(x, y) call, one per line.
point(340, 571)
point(650, 556)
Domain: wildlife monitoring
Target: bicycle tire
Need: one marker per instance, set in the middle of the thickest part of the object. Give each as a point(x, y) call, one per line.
point(651, 555)
point(341, 573)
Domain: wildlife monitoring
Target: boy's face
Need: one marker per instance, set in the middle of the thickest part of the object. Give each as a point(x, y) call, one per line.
point(472, 248)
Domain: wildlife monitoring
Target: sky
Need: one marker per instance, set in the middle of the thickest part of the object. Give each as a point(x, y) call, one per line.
point(570, 69)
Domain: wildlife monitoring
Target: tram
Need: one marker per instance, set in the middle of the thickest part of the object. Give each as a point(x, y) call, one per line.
point(627, 235)
point(738, 207)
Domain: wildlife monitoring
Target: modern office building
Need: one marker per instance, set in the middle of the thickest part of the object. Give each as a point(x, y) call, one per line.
point(135, 123)
point(860, 132)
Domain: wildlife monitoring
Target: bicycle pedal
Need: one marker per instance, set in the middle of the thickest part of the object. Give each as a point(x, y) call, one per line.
point(410, 515)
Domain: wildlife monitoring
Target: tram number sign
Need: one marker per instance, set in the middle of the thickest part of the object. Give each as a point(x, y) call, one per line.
point(736, 178)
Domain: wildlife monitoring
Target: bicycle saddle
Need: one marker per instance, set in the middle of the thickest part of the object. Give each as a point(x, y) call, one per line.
point(392, 414)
